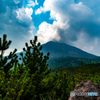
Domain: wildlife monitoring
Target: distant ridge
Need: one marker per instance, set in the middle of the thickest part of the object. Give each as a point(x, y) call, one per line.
point(59, 50)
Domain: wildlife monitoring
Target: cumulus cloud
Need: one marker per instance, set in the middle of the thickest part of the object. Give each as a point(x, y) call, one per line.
point(16, 22)
point(31, 3)
point(39, 11)
point(24, 13)
point(47, 32)
point(81, 22)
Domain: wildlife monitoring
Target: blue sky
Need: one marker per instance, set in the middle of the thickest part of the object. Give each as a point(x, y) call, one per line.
point(75, 22)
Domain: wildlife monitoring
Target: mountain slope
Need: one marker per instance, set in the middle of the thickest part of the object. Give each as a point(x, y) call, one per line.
point(62, 50)
point(70, 62)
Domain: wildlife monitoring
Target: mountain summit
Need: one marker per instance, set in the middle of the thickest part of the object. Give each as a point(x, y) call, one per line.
point(59, 50)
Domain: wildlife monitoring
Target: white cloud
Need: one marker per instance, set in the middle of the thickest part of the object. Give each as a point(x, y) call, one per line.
point(24, 13)
point(17, 24)
point(39, 11)
point(48, 32)
point(31, 3)
point(81, 8)
point(61, 15)
point(76, 24)
point(87, 45)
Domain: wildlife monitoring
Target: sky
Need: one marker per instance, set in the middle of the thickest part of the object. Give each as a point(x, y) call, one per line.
point(75, 22)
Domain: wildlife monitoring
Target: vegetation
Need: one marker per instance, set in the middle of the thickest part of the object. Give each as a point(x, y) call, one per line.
point(71, 62)
point(32, 80)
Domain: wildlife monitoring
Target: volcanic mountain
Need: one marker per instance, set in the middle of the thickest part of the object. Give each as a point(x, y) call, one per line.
point(62, 50)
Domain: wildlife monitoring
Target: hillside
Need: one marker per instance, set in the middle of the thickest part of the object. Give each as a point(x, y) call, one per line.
point(91, 67)
point(59, 50)
point(71, 62)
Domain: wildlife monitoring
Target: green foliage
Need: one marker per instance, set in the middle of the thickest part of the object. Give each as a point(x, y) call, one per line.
point(7, 61)
point(23, 80)
point(71, 62)
point(34, 59)
point(32, 80)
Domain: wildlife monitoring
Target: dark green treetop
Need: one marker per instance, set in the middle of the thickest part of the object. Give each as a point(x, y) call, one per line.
point(6, 61)
point(33, 58)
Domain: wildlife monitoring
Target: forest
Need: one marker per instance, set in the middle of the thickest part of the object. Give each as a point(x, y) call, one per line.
point(33, 80)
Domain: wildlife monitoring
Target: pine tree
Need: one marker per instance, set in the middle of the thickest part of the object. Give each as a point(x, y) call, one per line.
point(34, 58)
point(6, 61)
point(37, 63)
